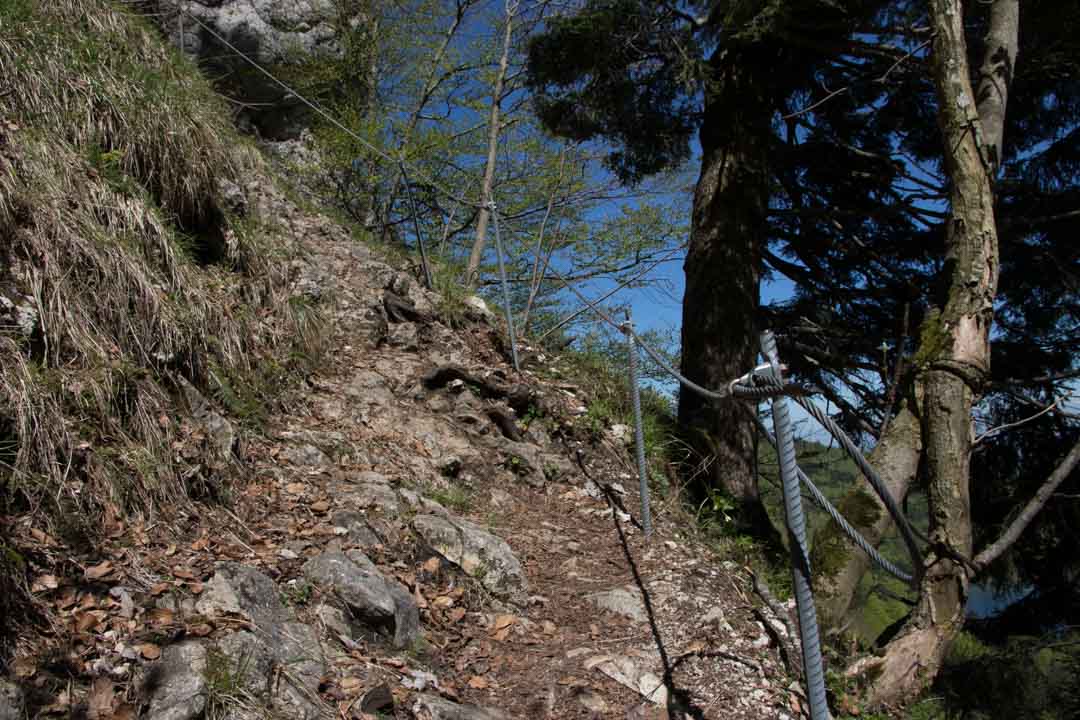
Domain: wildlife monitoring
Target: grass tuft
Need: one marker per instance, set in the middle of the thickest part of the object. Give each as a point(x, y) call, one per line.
point(128, 267)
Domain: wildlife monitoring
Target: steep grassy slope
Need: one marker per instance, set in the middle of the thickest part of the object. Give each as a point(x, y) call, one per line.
point(129, 274)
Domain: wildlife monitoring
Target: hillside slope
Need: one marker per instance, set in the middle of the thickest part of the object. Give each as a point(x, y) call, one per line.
point(253, 472)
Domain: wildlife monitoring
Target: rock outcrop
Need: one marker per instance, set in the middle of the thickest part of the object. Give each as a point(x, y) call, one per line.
point(275, 34)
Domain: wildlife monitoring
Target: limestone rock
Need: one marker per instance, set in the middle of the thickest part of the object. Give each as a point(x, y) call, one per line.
point(421, 504)
point(252, 659)
point(558, 467)
point(357, 529)
point(371, 324)
point(536, 435)
point(334, 620)
point(404, 335)
point(383, 497)
point(232, 196)
point(219, 431)
point(273, 33)
point(477, 310)
point(622, 601)
point(370, 477)
point(450, 466)
point(242, 590)
point(533, 465)
point(177, 683)
point(476, 551)
point(306, 455)
point(622, 434)
point(631, 674)
point(591, 700)
point(433, 707)
point(525, 461)
point(373, 599)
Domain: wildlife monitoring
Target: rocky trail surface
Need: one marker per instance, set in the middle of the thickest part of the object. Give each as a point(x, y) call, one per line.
point(423, 533)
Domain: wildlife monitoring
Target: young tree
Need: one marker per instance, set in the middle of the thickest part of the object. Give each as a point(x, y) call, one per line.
point(494, 130)
point(959, 361)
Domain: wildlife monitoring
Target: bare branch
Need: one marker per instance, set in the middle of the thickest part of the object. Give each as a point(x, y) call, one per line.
point(1003, 543)
point(881, 79)
point(1007, 426)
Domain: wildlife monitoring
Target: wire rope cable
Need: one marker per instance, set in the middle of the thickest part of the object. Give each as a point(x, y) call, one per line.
point(813, 669)
point(823, 502)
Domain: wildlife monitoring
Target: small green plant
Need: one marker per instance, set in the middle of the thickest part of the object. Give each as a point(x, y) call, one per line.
point(110, 165)
point(226, 685)
point(418, 649)
point(931, 708)
point(451, 305)
point(598, 417)
point(297, 593)
point(716, 511)
point(455, 498)
point(966, 648)
point(531, 415)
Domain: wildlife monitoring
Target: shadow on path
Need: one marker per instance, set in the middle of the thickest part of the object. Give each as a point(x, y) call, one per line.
point(680, 703)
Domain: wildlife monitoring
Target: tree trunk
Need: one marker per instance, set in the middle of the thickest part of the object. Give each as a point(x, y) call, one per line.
point(473, 267)
point(837, 563)
point(958, 367)
point(719, 330)
point(995, 76)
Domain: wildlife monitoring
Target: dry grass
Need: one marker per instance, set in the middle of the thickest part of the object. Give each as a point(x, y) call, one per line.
point(118, 243)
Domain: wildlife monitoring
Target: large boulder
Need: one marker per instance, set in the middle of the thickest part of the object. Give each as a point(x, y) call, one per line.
point(251, 659)
point(275, 640)
point(625, 601)
point(433, 707)
point(237, 589)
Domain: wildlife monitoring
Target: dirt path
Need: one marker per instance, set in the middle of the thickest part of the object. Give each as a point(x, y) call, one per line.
point(686, 636)
point(211, 611)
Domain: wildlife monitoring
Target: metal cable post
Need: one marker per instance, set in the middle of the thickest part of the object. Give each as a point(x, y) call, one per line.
point(639, 433)
point(416, 227)
point(796, 522)
point(505, 287)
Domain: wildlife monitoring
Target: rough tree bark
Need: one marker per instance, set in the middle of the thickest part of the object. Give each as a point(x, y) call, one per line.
point(995, 77)
point(958, 367)
point(719, 331)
